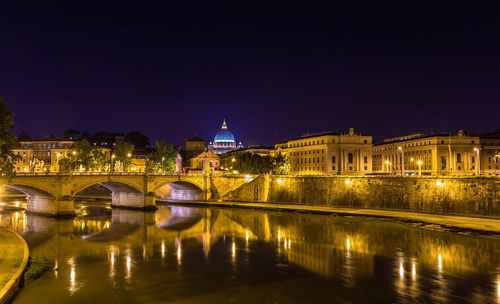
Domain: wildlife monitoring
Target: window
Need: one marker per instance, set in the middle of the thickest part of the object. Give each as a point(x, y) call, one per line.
point(459, 158)
point(333, 159)
point(366, 168)
point(443, 162)
point(48, 153)
point(366, 160)
point(473, 159)
point(350, 158)
point(365, 141)
point(333, 168)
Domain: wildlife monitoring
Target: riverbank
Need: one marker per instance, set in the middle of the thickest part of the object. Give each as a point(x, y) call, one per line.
point(480, 225)
point(14, 255)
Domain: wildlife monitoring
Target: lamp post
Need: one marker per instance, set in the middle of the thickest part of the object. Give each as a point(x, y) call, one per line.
point(478, 162)
point(129, 156)
point(74, 155)
point(112, 167)
point(162, 160)
point(419, 162)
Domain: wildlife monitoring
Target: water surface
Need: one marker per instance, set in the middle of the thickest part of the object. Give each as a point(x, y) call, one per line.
point(210, 255)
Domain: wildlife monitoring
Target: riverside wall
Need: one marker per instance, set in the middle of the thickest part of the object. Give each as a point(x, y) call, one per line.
point(445, 195)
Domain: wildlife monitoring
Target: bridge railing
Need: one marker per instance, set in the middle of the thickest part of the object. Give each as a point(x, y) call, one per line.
point(105, 173)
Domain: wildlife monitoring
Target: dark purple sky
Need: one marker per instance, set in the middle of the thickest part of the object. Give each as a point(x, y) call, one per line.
point(274, 71)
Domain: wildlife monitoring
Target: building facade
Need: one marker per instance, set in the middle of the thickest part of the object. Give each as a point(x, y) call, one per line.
point(207, 161)
point(42, 155)
point(428, 154)
point(489, 153)
point(333, 152)
point(224, 141)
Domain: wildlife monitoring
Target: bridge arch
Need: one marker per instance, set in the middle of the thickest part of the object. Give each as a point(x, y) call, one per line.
point(31, 191)
point(179, 190)
point(112, 185)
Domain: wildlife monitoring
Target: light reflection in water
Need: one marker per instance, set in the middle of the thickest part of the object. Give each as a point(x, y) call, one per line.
point(328, 250)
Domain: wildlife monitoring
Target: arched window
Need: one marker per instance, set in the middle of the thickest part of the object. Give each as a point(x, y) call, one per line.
point(459, 158)
point(350, 158)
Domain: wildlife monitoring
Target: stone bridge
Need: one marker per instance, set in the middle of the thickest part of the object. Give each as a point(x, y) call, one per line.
point(54, 194)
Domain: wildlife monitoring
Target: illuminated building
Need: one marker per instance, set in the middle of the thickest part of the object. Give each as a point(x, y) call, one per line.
point(332, 152)
point(489, 153)
point(209, 159)
point(42, 154)
point(224, 141)
point(194, 144)
point(428, 154)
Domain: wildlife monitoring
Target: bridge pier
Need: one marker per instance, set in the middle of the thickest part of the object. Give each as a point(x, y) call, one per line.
point(50, 206)
point(137, 201)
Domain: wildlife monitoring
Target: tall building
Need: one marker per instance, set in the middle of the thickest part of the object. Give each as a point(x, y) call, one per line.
point(428, 154)
point(224, 141)
point(332, 152)
point(489, 153)
point(42, 154)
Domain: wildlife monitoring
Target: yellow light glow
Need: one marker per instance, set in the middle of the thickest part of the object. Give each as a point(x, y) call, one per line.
point(419, 162)
point(112, 260)
point(279, 235)
point(233, 250)
point(386, 162)
point(74, 152)
point(289, 244)
point(128, 265)
point(439, 183)
point(401, 270)
point(235, 171)
point(162, 249)
point(280, 181)
point(248, 178)
point(129, 155)
point(179, 253)
point(440, 262)
point(411, 159)
point(399, 148)
point(246, 236)
point(348, 181)
point(233, 160)
point(348, 244)
point(413, 271)
point(72, 276)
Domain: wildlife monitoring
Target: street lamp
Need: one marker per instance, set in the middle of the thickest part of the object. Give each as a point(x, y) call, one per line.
point(112, 168)
point(162, 159)
point(74, 155)
point(389, 164)
point(478, 162)
point(419, 162)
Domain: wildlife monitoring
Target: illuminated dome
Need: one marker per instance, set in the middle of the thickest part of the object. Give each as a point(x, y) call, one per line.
point(224, 140)
point(224, 135)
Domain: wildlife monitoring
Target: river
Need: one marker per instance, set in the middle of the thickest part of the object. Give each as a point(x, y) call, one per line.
point(210, 255)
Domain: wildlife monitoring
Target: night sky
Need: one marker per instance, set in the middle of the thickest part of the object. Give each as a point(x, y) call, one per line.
point(274, 70)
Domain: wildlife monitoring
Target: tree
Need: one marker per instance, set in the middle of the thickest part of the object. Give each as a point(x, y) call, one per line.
point(279, 164)
point(72, 134)
point(163, 157)
point(23, 136)
point(136, 138)
point(89, 157)
point(123, 153)
point(8, 141)
point(252, 164)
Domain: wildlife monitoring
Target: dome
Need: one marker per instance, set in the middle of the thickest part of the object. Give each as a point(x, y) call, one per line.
point(224, 135)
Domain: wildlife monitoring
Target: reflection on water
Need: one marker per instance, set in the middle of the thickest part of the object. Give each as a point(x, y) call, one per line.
point(223, 255)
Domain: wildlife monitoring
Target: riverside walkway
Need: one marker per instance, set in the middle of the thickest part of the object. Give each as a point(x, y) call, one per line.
point(14, 256)
point(478, 224)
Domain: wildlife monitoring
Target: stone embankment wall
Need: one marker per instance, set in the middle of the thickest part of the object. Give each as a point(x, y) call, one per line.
point(468, 196)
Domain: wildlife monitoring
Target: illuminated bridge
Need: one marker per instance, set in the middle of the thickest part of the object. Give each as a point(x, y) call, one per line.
point(54, 194)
